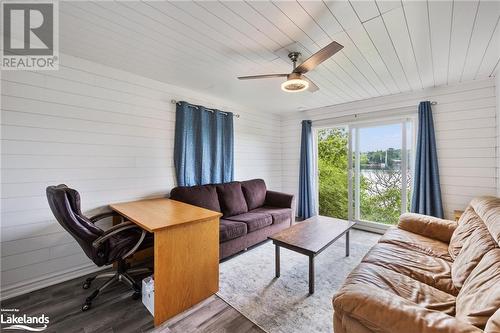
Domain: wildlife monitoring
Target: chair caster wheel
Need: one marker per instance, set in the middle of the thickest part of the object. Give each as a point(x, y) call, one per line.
point(136, 295)
point(86, 284)
point(86, 306)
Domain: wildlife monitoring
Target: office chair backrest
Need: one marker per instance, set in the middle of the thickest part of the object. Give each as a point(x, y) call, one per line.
point(65, 205)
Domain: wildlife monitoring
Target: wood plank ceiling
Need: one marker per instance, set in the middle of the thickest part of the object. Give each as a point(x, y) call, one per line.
point(389, 46)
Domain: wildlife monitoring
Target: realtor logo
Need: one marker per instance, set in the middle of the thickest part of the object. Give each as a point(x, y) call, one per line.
point(11, 319)
point(30, 36)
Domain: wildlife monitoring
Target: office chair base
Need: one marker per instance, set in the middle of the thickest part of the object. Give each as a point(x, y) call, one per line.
point(121, 275)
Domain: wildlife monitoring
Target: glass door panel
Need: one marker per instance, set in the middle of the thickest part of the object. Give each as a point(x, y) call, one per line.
point(364, 171)
point(378, 173)
point(410, 161)
point(332, 151)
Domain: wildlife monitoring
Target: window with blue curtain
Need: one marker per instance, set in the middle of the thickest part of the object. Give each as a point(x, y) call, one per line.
point(204, 145)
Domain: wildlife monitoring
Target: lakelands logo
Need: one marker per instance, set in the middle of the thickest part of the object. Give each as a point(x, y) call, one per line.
point(10, 319)
point(30, 35)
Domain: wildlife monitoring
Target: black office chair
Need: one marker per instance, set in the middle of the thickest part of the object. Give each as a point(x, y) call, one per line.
point(102, 247)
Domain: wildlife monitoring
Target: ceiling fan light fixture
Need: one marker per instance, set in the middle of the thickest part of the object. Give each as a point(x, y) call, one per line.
point(294, 85)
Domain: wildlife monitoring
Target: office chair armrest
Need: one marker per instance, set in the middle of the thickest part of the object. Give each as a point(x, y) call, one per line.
point(113, 231)
point(117, 229)
point(101, 216)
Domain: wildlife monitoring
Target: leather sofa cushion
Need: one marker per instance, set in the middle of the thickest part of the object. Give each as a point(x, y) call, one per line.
point(428, 226)
point(467, 223)
point(254, 221)
point(433, 271)
point(479, 297)
point(367, 275)
point(204, 196)
point(231, 230)
point(279, 215)
point(344, 323)
point(493, 324)
point(488, 209)
point(416, 242)
point(254, 191)
point(232, 201)
point(475, 247)
point(381, 311)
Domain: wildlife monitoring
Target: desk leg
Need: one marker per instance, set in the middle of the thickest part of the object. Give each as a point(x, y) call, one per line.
point(186, 259)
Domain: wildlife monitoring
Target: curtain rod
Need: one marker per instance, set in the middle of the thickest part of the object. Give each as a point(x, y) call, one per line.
point(173, 101)
point(397, 111)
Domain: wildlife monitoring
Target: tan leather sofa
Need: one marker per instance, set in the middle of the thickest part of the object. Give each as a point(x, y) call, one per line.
point(428, 275)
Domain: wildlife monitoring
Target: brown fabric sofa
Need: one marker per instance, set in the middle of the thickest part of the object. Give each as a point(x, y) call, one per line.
point(428, 275)
point(251, 213)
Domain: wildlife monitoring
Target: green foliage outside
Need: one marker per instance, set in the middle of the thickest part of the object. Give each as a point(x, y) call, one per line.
point(332, 166)
point(380, 182)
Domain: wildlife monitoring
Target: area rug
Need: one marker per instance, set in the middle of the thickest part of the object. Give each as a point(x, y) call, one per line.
point(283, 305)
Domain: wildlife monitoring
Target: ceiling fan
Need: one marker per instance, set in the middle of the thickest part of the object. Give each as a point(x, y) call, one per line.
point(296, 81)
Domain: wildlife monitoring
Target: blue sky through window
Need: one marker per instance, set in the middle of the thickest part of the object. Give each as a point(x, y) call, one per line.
point(380, 137)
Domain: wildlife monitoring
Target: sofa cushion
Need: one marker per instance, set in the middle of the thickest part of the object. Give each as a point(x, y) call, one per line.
point(231, 230)
point(204, 196)
point(380, 311)
point(428, 226)
point(232, 201)
point(254, 191)
point(279, 215)
point(254, 221)
point(474, 248)
point(410, 240)
point(433, 271)
point(367, 275)
point(488, 209)
point(479, 297)
point(493, 324)
point(467, 223)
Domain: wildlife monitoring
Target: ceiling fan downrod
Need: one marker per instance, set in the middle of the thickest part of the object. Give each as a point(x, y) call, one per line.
point(294, 56)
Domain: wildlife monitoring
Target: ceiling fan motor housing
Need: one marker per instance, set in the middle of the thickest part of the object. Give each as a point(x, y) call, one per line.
point(294, 83)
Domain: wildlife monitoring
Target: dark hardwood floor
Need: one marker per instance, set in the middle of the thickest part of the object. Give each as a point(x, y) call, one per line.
point(115, 311)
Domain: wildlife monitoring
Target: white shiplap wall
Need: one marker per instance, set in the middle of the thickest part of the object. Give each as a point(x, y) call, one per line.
point(109, 134)
point(466, 132)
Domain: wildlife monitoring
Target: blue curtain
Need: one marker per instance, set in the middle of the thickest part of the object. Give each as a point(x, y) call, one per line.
point(426, 197)
point(204, 145)
point(307, 195)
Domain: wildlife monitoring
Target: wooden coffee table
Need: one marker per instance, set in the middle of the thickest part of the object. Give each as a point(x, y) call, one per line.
point(310, 238)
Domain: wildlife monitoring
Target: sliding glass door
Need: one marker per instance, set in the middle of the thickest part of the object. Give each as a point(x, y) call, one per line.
point(364, 170)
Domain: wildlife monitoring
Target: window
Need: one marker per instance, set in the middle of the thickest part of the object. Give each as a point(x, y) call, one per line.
point(365, 170)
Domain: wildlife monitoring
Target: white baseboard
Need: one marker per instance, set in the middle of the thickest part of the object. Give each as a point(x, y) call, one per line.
point(47, 280)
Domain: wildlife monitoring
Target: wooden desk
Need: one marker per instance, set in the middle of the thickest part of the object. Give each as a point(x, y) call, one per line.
point(186, 251)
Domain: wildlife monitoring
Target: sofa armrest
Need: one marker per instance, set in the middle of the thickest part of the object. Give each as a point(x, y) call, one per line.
point(279, 199)
point(428, 226)
point(382, 311)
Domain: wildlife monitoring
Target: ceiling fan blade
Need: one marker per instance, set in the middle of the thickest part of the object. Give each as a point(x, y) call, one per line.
point(318, 57)
point(264, 76)
point(312, 86)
